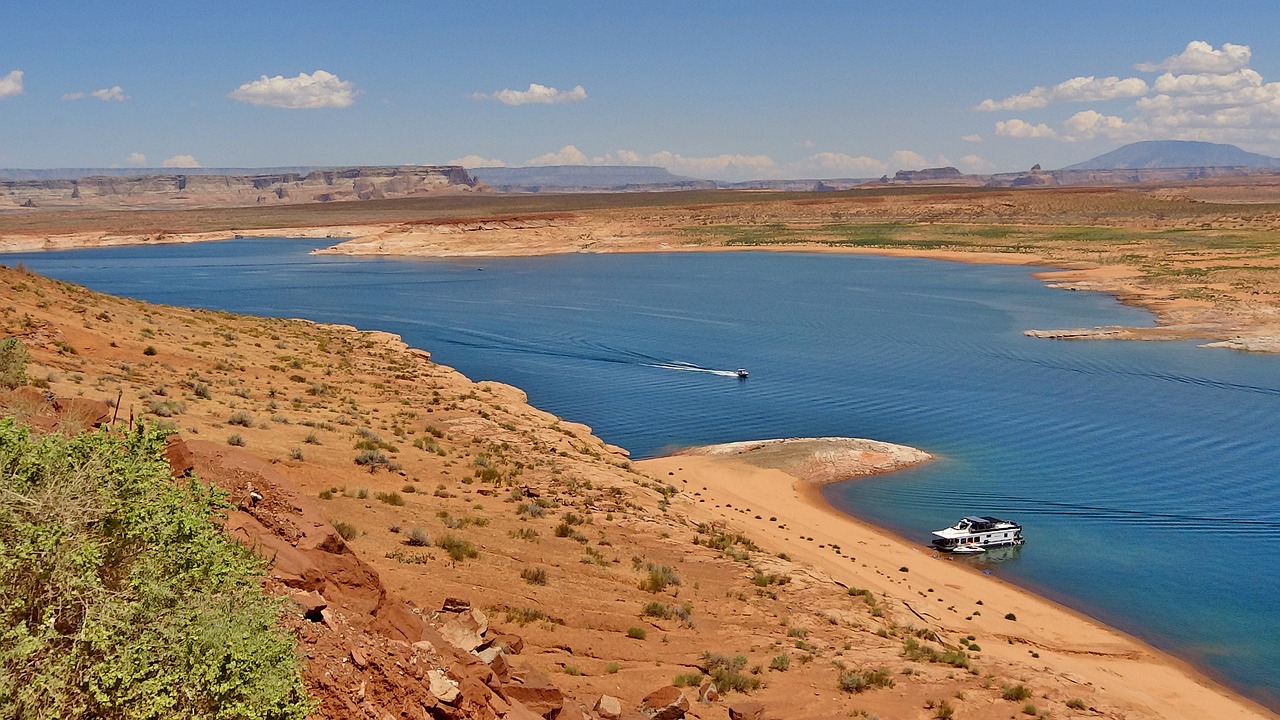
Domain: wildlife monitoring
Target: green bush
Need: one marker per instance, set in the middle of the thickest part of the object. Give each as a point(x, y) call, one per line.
point(13, 363)
point(457, 548)
point(637, 633)
point(861, 680)
point(1015, 692)
point(120, 597)
point(726, 672)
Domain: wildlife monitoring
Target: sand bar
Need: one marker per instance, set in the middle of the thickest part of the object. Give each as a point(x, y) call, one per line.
point(933, 588)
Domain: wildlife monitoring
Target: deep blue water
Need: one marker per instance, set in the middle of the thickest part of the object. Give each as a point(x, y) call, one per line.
point(1145, 473)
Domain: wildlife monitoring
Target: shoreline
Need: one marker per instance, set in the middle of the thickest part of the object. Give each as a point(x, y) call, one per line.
point(1081, 653)
point(1077, 646)
point(1251, 329)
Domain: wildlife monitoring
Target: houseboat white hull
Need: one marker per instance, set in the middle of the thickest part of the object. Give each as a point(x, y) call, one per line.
point(973, 534)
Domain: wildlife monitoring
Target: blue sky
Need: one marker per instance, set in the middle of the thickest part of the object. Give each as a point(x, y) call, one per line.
point(725, 90)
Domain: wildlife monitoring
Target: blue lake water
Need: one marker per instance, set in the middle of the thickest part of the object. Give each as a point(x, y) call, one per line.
point(1145, 473)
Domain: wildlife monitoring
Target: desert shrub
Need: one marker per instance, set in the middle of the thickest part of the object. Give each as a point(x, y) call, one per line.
point(417, 537)
point(659, 577)
point(534, 576)
point(726, 672)
point(311, 439)
point(780, 662)
point(457, 548)
point(1076, 704)
point(656, 610)
point(295, 454)
point(235, 440)
point(166, 408)
point(637, 633)
point(862, 679)
point(149, 350)
point(1015, 692)
point(531, 509)
point(241, 418)
point(390, 498)
point(346, 530)
point(120, 596)
point(372, 459)
point(612, 668)
point(13, 363)
point(524, 534)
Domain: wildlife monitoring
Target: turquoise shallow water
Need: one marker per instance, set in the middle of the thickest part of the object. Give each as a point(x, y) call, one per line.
point(1145, 473)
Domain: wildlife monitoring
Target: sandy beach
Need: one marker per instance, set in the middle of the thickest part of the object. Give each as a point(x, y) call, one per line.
point(927, 589)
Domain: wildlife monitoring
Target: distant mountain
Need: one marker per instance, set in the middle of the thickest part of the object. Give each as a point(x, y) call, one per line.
point(1154, 154)
point(580, 178)
point(81, 173)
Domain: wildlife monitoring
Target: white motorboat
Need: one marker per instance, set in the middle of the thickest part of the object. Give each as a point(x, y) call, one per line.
point(742, 373)
point(975, 534)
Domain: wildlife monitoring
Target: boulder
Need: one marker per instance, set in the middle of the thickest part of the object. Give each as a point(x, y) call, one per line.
point(666, 703)
point(746, 710)
point(707, 691)
point(535, 691)
point(81, 412)
point(608, 707)
point(443, 687)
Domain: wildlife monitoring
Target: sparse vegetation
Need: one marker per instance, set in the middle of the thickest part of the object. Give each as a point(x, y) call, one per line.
point(726, 672)
point(637, 633)
point(1016, 693)
point(457, 548)
point(861, 680)
point(119, 592)
point(534, 576)
point(13, 363)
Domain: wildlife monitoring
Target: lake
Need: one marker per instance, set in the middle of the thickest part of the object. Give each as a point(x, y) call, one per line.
point(1144, 473)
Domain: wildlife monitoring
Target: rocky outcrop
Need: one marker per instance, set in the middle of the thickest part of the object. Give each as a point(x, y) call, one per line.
point(928, 174)
point(369, 654)
point(208, 189)
point(666, 703)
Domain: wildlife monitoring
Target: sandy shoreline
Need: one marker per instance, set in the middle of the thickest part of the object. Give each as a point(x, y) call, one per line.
point(1252, 328)
point(788, 514)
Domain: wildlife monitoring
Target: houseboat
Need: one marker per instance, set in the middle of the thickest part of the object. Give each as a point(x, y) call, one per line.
point(975, 534)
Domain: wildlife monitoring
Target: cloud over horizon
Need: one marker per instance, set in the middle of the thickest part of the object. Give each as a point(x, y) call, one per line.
point(115, 92)
point(320, 89)
point(181, 161)
point(1203, 93)
point(734, 166)
point(535, 95)
point(11, 84)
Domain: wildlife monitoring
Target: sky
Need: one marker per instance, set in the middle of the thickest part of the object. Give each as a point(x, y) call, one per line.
point(719, 90)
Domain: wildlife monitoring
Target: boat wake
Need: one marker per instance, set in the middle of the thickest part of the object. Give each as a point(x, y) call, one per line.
point(690, 367)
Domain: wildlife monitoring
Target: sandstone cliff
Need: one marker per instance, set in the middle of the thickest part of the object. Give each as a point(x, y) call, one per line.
point(202, 189)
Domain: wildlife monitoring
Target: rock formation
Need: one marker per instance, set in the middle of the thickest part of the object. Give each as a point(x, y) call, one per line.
point(186, 190)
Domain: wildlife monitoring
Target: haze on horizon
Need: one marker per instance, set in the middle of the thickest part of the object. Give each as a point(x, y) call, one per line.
point(720, 90)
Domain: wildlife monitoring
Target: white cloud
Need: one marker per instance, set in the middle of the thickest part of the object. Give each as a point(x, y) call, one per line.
point(136, 159)
point(831, 164)
point(535, 95)
point(567, 155)
point(318, 90)
point(476, 161)
point(1023, 129)
point(114, 92)
point(720, 167)
point(908, 160)
point(1200, 57)
point(1078, 89)
point(972, 138)
point(976, 164)
point(1207, 83)
point(181, 161)
point(11, 84)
